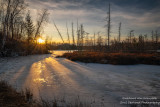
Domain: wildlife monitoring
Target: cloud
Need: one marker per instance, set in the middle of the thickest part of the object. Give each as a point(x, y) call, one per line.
point(142, 16)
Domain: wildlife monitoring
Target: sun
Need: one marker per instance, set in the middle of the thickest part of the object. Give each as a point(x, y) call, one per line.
point(40, 40)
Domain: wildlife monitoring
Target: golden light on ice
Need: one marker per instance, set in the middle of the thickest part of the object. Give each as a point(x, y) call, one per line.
point(40, 40)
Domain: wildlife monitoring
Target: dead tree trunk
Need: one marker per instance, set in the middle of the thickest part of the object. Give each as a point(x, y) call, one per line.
point(6, 19)
point(73, 34)
point(81, 37)
point(78, 35)
point(94, 43)
point(68, 37)
point(152, 36)
point(58, 32)
point(42, 19)
point(68, 34)
point(109, 25)
point(119, 36)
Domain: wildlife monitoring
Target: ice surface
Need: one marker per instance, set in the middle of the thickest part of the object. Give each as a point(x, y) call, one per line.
point(50, 77)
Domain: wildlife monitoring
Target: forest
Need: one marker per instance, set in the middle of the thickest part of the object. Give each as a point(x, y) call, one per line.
point(20, 35)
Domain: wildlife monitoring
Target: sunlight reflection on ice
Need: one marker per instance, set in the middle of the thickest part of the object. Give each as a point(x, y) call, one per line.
point(50, 77)
point(41, 80)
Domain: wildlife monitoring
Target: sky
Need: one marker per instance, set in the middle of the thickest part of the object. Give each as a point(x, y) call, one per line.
point(142, 16)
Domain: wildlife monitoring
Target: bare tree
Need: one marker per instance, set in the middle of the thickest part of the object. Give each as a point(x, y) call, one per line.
point(12, 15)
point(5, 22)
point(18, 6)
point(131, 34)
point(119, 35)
point(156, 35)
point(87, 39)
point(68, 34)
point(152, 36)
point(99, 41)
point(81, 36)
point(58, 32)
point(108, 24)
point(43, 18)
point(78, 34)
point(73, 34)
point(94, 41)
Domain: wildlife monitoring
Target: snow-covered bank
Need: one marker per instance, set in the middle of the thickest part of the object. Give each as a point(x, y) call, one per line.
point(51, 77)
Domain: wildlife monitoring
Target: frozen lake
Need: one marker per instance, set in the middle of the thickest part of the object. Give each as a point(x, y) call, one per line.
point(49, 77)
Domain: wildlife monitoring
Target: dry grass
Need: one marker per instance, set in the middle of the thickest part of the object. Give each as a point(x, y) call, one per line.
point(114, 58)
point(9, 97)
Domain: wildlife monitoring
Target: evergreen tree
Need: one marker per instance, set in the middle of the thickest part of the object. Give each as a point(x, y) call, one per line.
point(29, 30)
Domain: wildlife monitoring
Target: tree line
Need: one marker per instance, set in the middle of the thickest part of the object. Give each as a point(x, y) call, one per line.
point(132, 43)
point(18, 33)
